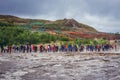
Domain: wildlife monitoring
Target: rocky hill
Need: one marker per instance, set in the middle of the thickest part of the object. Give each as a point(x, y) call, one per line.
point(66, 27)
point(65, 23)
point(71, 23)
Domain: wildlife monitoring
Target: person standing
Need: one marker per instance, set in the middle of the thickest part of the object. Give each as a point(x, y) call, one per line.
point(2, 49)
point(115, 45)
point(99, 47)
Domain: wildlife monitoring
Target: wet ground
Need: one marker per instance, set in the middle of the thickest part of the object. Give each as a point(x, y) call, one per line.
point(60, 66)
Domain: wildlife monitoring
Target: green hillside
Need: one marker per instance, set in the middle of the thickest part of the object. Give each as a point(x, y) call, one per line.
point(65, 24)
point(15, 30)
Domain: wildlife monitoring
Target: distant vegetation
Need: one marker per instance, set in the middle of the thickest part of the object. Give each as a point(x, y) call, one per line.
point(5, 24)
point(15, 35)
point(14, 30)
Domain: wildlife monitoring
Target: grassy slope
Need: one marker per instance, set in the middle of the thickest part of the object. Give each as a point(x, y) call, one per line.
point(59, 25)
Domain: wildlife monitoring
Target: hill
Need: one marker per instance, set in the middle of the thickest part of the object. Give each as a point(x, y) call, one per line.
point(75, 25)
point(13, 19)
point(66, 27)
point(62, 24)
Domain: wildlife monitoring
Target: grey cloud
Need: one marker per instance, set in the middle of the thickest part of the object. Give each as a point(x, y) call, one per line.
point(104, 7)
point(104, 11)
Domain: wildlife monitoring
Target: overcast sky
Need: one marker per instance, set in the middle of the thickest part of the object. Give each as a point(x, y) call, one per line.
point(104, 15)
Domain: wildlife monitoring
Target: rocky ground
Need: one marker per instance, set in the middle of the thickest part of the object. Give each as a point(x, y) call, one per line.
point(60, 66)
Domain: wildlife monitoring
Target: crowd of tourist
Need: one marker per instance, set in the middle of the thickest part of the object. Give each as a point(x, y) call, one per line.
point(57, 48)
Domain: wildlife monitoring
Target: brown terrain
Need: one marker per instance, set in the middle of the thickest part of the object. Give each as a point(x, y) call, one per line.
point(68, 27)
